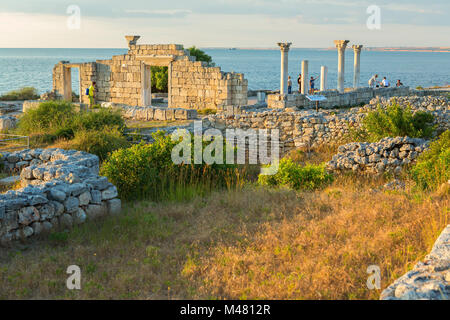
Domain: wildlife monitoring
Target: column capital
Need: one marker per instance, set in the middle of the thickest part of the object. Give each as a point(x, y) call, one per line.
point(284, 46)
point(357, 47)
point(341, 44)
point(132, 40)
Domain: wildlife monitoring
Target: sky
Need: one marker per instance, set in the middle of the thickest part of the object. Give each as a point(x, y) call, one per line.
point(223, 23)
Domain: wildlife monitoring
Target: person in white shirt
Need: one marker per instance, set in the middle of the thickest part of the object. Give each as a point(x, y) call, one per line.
point(373, 81)
point(385, 82)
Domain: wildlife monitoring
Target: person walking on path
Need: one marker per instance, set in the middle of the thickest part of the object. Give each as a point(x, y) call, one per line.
point(289, 85)
point(373, 81)
point(92, 90)
point(311, 84)
point(299, 81)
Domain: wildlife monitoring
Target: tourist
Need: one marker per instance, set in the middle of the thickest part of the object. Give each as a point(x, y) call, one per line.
point(399, 83)
point(289, 85)
point(311, 84)
point(385, 82)
point(373, 81)
point(299, 81)
point(92, 90)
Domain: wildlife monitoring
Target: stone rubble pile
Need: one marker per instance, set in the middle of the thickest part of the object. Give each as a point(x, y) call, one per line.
point(389, 154)
point(61, 188)
point(428, 280)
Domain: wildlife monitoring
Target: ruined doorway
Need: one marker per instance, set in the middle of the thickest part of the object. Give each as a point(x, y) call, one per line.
point(68, 93)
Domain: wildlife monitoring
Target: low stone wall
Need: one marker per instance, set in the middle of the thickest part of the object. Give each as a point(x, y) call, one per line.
point(347, 99)
point(152, 113)
point(429, 279)
point(308, 128)
point(61, 188)
point(389, 154)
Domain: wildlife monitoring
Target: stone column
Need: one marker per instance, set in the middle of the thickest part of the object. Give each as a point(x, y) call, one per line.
point(305, 79)
point(341, 45)
point(284, 47)
point(323, 78)
point(356, 66)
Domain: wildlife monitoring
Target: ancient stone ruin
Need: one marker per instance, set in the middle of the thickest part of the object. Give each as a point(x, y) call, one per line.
point(61, 188)
point(126, 79)
point(429, 279)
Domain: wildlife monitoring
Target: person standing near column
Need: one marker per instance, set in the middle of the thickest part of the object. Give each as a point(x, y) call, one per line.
point(289, 85)
point(312, 84)
point(299, 81)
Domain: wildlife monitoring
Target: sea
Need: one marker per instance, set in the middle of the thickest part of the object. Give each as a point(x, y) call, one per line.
point(33, 67)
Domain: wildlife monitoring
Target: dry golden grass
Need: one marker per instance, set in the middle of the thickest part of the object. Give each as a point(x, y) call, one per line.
point(244, 244)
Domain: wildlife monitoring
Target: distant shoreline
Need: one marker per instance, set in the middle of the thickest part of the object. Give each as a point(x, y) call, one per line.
point(380, 49)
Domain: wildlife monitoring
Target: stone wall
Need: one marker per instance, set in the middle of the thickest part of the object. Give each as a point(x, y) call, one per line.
point(152, 113)
point(308, 128)
point(387, 155)
point(347, 99)
point(429, 279)
point(60, 188)
point(122, 79)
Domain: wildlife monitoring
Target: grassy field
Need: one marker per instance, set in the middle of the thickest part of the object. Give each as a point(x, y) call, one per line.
point(245, 241)
point(240, 244)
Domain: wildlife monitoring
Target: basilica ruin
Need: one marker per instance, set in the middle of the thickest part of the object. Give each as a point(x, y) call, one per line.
point(126, 79)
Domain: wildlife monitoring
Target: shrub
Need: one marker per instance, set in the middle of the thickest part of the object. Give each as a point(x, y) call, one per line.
point(160, 79)
point(101, 143)
point(98, 120)
point(147, 170)
point(200, 55)
point(296, 176)
point(60, 120)
point(26, 93)
point(433, 166)
point(48, 117)
point(397, 121)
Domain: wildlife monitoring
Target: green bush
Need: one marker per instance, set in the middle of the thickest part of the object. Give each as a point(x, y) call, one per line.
point(160, 79)
point(296, 176)
point(26, 93)
point(48, 117)
point(147, 170)
point(98, 120)
point(60, 119)
point(101, 143)
point(433, 166)
point(396, 121)
point(200, 55)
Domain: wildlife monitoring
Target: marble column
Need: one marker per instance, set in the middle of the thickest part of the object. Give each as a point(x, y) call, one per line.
point(356, 66)
point(284, 47)
point(305, 79)
point(341, 45)
point(323, 78)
